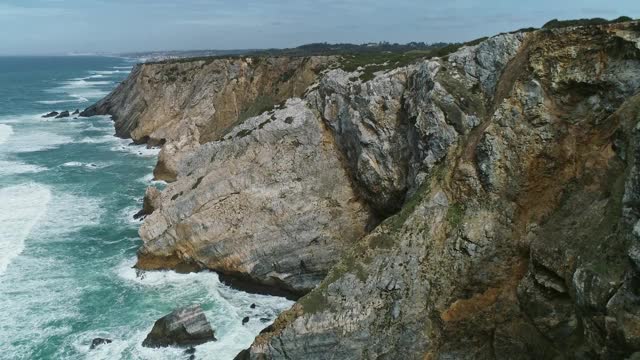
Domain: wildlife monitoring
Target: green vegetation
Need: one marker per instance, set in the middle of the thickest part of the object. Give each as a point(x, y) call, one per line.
point(555, 23)
point(260, 105)
point(372, 62)
point(455, 214)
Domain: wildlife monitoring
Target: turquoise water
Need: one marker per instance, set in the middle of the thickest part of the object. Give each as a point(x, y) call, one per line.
point(68, 190)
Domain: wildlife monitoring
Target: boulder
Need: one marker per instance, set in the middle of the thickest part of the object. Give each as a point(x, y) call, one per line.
point(76, 112)
point(63, 114)
point(183, 327)
point(51, 114)
point(99, 341)
point(245, 320)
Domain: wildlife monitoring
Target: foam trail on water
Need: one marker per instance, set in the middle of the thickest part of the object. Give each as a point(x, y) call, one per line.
point(5, 132)
point(21, 208)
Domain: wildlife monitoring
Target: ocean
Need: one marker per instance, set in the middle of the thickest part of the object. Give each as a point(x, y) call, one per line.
point(68, 192)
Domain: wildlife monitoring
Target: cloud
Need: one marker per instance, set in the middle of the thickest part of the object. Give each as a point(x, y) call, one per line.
point(7, 10)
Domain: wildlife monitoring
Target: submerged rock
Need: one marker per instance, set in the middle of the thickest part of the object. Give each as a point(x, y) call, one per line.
point(99, 341)
point(186, 326)
point(51, 114)
point(245, 320)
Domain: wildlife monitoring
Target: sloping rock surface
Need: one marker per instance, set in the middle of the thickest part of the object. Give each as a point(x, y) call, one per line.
point(182, 327)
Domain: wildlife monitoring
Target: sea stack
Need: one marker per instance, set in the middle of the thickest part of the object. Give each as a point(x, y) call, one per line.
point(184, 327)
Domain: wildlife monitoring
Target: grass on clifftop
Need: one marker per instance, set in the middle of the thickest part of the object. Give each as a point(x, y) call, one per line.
point(370, 63)
point(555, 23)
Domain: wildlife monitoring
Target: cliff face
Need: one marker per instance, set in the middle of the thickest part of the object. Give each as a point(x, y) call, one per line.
point(517, 239)
point(192, 102)
point(271, 202)
point(506, 176)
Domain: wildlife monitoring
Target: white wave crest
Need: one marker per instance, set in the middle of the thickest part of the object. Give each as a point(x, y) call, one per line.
point(36, 141)
point(13, 168)
point(108, 72)
point(21, 207)
point(124, 145)
point(91, 166)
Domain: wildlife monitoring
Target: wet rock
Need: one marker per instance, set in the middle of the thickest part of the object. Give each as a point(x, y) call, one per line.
point(63, 114)
point(253, 306)
point(190, 351)
point(99, 341)
point(76, 112)
point(51, 114)
point(245, 320)
point(183, 327)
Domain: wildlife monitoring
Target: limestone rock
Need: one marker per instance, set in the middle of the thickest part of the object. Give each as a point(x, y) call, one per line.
point(270, 202)
point(183, 327)
point(202, 99)
point(514, 243)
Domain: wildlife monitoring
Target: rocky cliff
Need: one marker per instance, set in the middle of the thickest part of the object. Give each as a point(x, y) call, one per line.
point(481, 205)
point(192, 102)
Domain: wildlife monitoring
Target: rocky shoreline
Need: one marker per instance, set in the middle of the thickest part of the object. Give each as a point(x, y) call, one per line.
point(479, 205)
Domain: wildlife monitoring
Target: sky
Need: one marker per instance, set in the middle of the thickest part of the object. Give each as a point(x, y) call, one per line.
point(83, 26)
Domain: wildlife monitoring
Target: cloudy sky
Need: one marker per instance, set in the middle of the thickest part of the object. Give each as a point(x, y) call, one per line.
point(63, 26)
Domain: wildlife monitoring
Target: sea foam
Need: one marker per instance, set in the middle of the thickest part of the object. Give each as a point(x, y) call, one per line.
point(5, 132)
point(21, 208)
point(224, 307)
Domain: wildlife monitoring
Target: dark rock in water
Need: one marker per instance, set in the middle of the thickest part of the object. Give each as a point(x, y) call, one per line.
point(243, 355)
point(140, 215)
point(190, 350)
point(245, 320)
point(192, 357)
point(51, 114)
point(63, 114)
point(264, 320)
point(253, 306)
point(186, 326)
point(90, 111)
point(99, 341)
point(76, 112)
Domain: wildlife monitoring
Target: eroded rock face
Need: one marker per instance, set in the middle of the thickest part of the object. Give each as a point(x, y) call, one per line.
point(183, 327)
point(518, 241)
point(270, 202)
point(194, 102)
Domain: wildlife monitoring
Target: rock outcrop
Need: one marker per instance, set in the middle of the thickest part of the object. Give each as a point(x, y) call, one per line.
point(183, 327)
point(99, 341)
point(63, 114)
point(270, 202)
point(517, 241)
point(51, 114)
point(480, 205)
point(193, 102)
